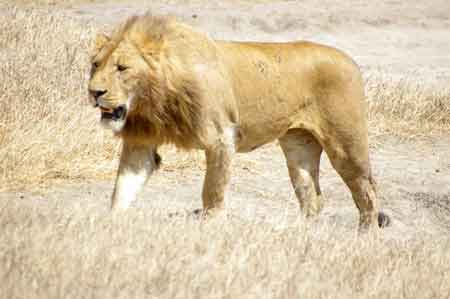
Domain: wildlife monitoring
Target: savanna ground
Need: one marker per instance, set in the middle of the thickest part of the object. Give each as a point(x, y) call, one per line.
point(58, 239)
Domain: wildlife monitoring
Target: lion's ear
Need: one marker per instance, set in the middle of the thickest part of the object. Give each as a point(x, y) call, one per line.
point(100, 41)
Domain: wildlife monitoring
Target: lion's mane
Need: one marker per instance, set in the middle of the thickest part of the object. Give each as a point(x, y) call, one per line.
point(168, 100)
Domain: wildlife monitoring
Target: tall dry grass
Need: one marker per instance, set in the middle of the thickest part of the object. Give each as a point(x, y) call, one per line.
point(47, 129)
point(55, 250)
point(406, 107)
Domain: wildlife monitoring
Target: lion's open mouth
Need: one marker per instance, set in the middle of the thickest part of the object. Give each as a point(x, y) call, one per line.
point(113, 114)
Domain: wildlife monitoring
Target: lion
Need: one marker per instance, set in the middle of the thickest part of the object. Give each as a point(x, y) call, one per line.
point(158, 81)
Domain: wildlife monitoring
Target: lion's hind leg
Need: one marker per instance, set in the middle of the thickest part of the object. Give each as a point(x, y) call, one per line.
point(350, 158)
point(302, 152)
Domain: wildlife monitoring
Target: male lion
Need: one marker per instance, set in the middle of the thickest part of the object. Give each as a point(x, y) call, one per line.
point(159, 81)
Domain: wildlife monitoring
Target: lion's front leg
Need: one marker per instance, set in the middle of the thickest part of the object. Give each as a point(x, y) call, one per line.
point(218, 160)
point(137, 162)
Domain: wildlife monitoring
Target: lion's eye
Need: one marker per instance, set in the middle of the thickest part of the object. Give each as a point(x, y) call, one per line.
point(95, 65)
point(121, 68)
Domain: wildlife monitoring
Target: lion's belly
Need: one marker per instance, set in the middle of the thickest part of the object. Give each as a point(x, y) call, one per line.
point(248, 143)
point(261, 124)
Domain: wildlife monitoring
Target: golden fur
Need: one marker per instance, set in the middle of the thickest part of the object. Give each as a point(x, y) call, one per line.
point(181, 87)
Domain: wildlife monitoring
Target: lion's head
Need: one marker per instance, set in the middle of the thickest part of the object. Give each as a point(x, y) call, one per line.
point(142, 86)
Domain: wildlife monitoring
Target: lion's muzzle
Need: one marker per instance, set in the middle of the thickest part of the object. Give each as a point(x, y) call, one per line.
point(117, 113)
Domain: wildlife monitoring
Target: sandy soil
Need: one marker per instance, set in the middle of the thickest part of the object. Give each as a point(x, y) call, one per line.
point(393, 37)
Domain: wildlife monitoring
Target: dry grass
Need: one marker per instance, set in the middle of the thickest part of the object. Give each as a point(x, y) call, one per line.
point(48, 250)
point(406, 107)
point(47, 129)
point(52, 250)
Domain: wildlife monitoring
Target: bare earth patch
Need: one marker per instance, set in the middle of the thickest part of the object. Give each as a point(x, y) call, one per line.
point(58, 238)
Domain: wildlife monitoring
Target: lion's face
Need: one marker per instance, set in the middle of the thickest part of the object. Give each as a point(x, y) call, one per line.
point(115, 75)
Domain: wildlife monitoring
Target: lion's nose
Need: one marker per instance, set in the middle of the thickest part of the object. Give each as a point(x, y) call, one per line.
point(97, 93)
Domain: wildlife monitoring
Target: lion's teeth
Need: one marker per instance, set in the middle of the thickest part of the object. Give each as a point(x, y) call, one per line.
point(109, 110)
